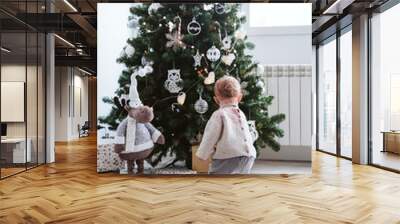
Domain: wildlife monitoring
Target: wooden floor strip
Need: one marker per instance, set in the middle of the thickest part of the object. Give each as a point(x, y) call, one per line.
point(70, 191)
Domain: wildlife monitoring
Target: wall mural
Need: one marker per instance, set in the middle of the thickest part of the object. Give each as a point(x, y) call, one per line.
point(190, 97)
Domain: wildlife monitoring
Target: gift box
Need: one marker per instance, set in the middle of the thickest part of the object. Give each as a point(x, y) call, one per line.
point(199, 165)
point(107, 159)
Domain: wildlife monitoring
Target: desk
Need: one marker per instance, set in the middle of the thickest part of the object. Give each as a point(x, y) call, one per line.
point(391, 141)
point(13, 150)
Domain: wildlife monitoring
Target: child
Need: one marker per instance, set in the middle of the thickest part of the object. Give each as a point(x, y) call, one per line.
point(227, 134)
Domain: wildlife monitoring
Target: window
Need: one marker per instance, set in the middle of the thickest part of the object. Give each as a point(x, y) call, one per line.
point(346, 94)
point(385, 89)
point(327, 97)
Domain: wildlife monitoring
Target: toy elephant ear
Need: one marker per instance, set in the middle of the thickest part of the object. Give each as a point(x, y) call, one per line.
point(127, 107)
point(123, 102)
point(117, 103)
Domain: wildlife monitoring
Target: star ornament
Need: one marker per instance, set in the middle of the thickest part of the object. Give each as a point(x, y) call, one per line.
point(174, 40)
point(197, 59)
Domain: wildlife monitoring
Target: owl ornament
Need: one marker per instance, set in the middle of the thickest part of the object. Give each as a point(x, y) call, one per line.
point(174, 83)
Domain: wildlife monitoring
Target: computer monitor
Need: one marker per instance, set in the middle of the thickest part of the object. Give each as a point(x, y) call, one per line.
point(3, 130)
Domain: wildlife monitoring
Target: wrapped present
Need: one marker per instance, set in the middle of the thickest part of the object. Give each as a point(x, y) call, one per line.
point(107, 159)
point(198, 165)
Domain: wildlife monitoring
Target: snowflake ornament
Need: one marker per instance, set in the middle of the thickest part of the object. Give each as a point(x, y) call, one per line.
point(174, 40)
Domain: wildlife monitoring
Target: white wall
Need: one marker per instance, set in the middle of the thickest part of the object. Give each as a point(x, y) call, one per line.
point(71, 102)
point(108, 73)
point(274, 45)
point(287, 45)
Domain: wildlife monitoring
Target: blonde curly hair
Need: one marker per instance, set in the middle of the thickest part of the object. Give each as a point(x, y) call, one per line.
point(227, 87)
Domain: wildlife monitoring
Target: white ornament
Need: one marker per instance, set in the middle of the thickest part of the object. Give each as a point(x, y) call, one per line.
point(174, 75)
point(146, 61)
point(253, 130)
point(226, 43)
point(174, 82)
point(210, 79)
point(153, 8)
point(207, 7)
point(260, 84)
point(260, 69)
point(197, 59)
point(148, 69)
point(219, 8)
point(181, 98)
point(133, 22)
point(175, 40)
point(244, 85)
point(171, 26)
point(194, 27)
point(228, 58)
point(143, 71)
point(213, 54)
point(129, 50)
point(240, 35)
point(172, 87)
point(201, 106)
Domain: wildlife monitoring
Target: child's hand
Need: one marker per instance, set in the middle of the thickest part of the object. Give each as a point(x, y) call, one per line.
point(202, 159)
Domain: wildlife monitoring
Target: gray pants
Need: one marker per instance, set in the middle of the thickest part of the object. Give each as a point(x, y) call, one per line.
point(235, 165)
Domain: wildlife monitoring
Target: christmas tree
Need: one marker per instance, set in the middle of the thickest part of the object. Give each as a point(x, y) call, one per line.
point(179, 51)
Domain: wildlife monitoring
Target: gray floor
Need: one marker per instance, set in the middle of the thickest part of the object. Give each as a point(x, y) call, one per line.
point(281, 167)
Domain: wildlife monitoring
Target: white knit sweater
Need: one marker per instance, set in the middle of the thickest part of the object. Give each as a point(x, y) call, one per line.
point(226, 135)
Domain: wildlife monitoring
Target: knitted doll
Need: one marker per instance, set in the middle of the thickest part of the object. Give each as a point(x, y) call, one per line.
point(135, 134)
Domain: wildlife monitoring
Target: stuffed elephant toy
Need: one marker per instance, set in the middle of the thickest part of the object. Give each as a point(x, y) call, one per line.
point(136, 137)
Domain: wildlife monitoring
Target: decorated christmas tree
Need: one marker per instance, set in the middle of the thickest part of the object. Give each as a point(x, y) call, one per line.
point(177, 54)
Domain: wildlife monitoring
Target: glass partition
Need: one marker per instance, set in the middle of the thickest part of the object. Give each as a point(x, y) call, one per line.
point(22, 77)
point(385, 89)
point(346, 94)
point(327, 96)
point(14, 153)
